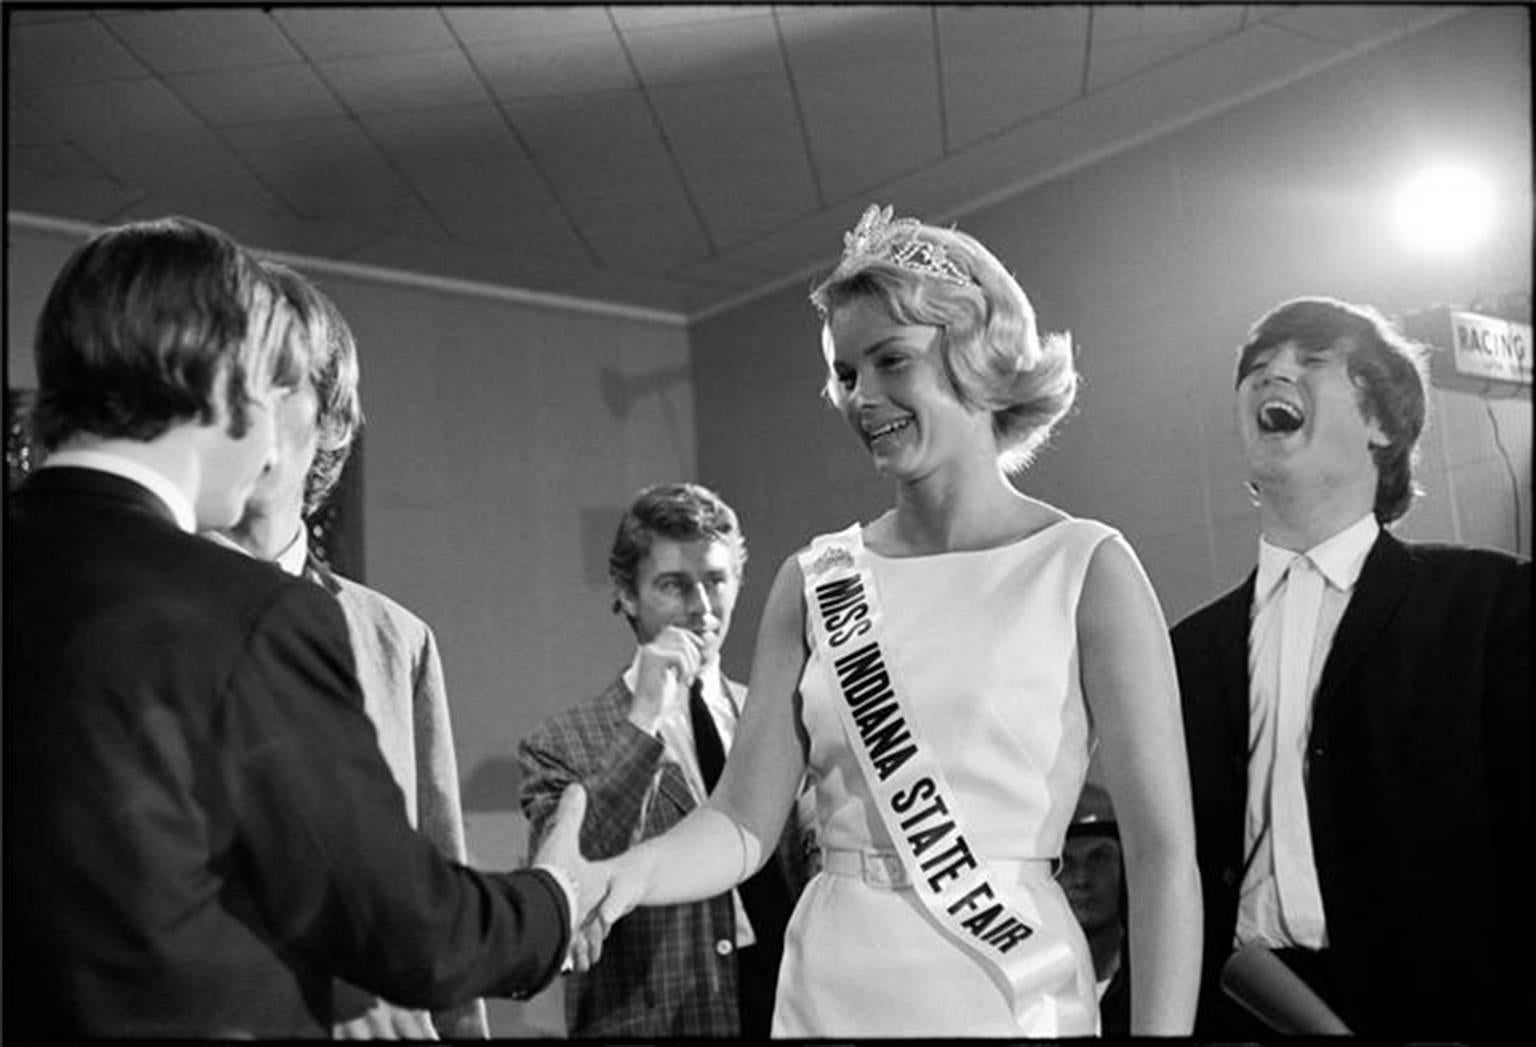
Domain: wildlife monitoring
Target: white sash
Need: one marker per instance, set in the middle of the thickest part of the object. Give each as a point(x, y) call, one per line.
point(916, 804)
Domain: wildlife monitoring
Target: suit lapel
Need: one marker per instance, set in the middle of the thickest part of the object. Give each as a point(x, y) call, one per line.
point(1384, 580)
point(1233, 664)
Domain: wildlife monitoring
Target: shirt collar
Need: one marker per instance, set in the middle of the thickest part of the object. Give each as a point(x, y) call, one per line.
point(295, 554)
point(292, 559)
point(1339, 558)
point(156, 482)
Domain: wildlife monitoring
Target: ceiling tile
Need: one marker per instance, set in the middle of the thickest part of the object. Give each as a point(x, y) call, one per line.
point(829, 39)
point(204, 166)
point(676, 16)
point(404, 83)
point(736, 48)
point(38, 16)
point(741, 152)
point(497, 202)
point(464, 132)
point(473, 175)
point(1199, 83)
point(999, 166)
point(344, 32)
point(281, 233)
point(56, 160)
point(640, 221)
point(725, 275)
point(1126, 40)
point(321, 168)
point(806, 247)
point(553, 65)
point(92, 114)
point(868, 127)
point(194, 40)
point(81, 197)
point(477, 26)
point(1351, 24)
point(24, 126)
point(228, 98)
point(1002, 65)
point(528, 271)
point(77, 51)
point(568, 133)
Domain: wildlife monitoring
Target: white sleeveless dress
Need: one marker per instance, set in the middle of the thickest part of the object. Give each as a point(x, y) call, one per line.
point(983, 646)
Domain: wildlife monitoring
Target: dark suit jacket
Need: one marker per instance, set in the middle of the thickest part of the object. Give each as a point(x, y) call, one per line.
point(200, 831)
point(665, 970)
point(1419, 787)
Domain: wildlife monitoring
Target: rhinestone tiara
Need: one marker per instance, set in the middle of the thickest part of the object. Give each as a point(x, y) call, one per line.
point(880, 237)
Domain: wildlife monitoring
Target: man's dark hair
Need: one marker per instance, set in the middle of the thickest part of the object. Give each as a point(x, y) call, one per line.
point(1387, 369)
point(679, 512)
point(139, 327)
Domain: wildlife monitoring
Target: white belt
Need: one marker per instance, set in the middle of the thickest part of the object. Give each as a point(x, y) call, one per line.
point(884, 868)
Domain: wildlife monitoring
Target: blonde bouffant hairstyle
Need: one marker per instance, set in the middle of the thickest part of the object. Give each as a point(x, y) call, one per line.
point(993, 354)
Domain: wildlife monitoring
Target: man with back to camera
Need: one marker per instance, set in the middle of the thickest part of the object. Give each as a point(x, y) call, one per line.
point(648, 749)
point(397, 661)
point(200, 830)
point(1382, 689)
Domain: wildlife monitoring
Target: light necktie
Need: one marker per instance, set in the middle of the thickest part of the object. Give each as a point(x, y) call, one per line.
point(1294, 865)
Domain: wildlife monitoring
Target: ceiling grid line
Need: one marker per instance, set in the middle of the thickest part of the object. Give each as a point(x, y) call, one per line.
point(798, 103)
point(510, 123)
point(938, 64)
point(384, 154)
point(712, 248)
point(1082, 91)
point(217, 133)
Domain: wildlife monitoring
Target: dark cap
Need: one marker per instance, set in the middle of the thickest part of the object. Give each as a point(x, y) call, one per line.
point(1095, 813)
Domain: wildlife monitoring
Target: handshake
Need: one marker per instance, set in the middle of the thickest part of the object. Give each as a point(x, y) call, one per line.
point(605, 890)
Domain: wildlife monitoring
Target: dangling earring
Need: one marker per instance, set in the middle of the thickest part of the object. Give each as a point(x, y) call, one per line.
point(1253, 492)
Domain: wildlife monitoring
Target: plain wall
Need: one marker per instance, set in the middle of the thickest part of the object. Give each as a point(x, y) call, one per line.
point(1158, 260)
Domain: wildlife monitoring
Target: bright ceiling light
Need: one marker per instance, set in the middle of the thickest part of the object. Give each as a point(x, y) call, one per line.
point(1444, 210)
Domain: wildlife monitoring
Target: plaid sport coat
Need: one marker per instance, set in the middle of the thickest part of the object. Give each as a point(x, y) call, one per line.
point(665, 970)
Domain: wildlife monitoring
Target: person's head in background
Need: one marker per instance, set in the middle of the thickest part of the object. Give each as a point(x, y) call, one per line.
point(677, 560)
point(924, 327)
point(1330, 407)
point(165, 342)
point(1092, 871)
point(318, 418)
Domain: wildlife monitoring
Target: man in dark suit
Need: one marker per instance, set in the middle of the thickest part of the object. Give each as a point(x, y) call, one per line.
point(200, 830)
point(1358, 712)
point(649, 749)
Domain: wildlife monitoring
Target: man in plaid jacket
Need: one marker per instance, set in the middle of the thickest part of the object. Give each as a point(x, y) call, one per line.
point(648, 750)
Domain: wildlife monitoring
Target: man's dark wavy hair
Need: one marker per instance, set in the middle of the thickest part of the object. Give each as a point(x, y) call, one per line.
point(1388, 371)
point(678, 512)
point(141, 323)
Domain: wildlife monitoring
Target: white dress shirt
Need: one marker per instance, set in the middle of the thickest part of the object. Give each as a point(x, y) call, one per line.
point(675, 729)
point(157, 483)
point(1281, 903)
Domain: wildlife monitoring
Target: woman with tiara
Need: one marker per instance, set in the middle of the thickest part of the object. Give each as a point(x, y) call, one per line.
point(943, 672)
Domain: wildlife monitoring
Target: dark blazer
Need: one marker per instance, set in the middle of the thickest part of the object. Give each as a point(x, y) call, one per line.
point(199, 828)
point(1419, 788)
point(665, 970)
